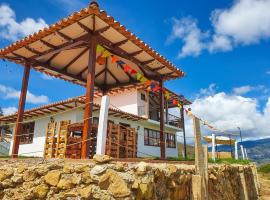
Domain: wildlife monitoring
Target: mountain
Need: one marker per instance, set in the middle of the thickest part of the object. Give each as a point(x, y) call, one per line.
point(257, 150)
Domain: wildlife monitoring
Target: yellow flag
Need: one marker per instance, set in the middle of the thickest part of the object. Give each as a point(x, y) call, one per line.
point(99, 49)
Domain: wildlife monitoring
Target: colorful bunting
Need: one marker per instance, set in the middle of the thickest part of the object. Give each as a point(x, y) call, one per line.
point(101, 59)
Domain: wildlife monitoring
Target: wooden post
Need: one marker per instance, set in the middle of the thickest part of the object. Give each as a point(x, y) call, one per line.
point(18, 126)
point(236, 150)
point(199, 157)
point(184, 129)
point(167, 113)
point(88, 112)
point(242, 151)
point(102, 125)
point(213, 147)
point(161, 103)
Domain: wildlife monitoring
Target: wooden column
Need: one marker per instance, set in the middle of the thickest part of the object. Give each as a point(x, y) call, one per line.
point(18, 126)
point(167, 112)
point(88, 111)
point(184, 129)
point(161, 103)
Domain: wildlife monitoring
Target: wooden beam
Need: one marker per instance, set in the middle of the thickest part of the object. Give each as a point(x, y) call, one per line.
point(52, 57)
point(117, 44)
point(82, 71)
point(51, 46)
point(75, 59)
point(88, 111)
point(162, 142)
point(147, 62)
point(32, 50)
point(102, 30)
point(158, 68)
point(64, 36)
point(18, 126)
point(99, 73)
point(121, 53)
point(63, 109)
point(114, 77)
point(59, 71)
point(67, 106)
point(135, 53)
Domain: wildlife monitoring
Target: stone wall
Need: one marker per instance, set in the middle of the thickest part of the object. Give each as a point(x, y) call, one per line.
point(59, 179)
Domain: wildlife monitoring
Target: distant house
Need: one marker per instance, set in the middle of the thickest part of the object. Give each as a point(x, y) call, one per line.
point(131, 107)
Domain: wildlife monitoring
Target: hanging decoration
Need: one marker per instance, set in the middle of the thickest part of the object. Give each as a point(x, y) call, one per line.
point(152, 85)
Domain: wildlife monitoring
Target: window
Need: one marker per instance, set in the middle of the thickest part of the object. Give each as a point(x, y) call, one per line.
point(27, 133)
point(143, 97)
point(95, 120)
point(152, 138)
point(170, 140)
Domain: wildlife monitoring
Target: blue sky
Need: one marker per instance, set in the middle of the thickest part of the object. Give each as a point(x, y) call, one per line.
point(221, 47)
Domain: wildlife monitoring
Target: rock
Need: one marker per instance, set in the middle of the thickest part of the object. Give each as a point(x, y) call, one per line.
point(52, 177)
point(172, 169)
point(98, 169)
point(7, 183)
point(85, 192)
point(212, 176)
point(42, 171)
point(135, 184)
point(104, 181)
point(99, 159)
point(114, 184)
point(145, 191)
point(30, 175)
point(68, 168)
point(5, 173)
point(141, 168)
point(41, 191)
point(17, 179)
point(65, 184)
point(86, 177)
point(21, 168)
point(70, 194)
point(119, 167)
point(82, 168)
point(76, 179)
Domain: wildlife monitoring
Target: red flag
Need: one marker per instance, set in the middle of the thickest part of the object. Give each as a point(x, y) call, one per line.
point(133, 71)
point(114, 59)
point(127, 68)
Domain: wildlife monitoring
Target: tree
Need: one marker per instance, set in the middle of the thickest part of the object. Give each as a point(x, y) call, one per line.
point(1, 112)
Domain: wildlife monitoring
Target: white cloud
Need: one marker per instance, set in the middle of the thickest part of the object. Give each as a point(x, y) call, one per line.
point(245, 22)
point(242, 90)
point(229, 111)
point(268, 72)
point(211, 90)
point(10, 29)
point(247, 88)
point(187, 30)
point(9, 110)
point(11, 93)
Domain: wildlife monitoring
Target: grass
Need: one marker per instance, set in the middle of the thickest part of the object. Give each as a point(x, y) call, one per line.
point(264, 168)
point(180, 159)
point(229, 161)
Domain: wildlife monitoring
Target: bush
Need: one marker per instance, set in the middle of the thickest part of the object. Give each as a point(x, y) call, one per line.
point(229, 161)
point(264, 168)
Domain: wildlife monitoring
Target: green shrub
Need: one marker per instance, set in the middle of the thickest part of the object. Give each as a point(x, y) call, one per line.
point(264, 168)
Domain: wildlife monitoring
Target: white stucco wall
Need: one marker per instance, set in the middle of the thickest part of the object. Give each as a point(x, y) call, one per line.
point(37, 147)
point(133, 97)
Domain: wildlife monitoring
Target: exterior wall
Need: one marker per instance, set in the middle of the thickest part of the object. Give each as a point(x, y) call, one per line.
point(36, 148)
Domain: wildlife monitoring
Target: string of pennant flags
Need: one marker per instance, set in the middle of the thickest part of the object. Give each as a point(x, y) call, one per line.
point(152, 85)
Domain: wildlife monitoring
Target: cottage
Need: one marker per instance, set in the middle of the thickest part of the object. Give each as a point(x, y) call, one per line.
point(133, 107)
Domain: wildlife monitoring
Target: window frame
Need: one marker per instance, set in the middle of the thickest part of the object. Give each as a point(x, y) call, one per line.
point(152, 138)
point(28, 131)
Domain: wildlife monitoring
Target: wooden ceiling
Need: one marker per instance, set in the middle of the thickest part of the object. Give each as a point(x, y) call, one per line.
point(62, 51)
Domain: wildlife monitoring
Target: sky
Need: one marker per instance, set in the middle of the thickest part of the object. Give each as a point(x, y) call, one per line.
point(223, 47)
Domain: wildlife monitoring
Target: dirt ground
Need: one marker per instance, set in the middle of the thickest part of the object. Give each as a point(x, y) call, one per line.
point(265, 186)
